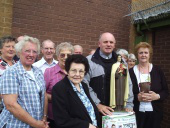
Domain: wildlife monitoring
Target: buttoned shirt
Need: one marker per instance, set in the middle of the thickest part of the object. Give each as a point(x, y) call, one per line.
point(3, 66)
point(43, 65)
point(85, 100)
point(16, 80)
point(52, 76)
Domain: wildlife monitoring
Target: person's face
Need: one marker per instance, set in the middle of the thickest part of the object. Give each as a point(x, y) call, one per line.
point(28, 55)
point(143, 55)
point(78, 51)
point(76, 73)
point(113, 126)
point(107, 43)
point(48, 50)
point(8, 50)
point(63, 55)
point(131, 63)
point(119, 58)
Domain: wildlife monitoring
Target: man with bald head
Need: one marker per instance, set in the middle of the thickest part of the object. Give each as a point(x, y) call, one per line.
point(98, 77)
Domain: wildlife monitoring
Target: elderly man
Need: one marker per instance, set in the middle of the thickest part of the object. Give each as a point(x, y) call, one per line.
point(78, 49)
point(98, 78)
point(48, 51)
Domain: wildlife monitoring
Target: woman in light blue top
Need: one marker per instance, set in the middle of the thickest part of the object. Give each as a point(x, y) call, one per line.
point(23, 90)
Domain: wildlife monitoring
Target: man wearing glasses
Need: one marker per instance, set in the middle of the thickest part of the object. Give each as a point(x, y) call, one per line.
point(48, 51)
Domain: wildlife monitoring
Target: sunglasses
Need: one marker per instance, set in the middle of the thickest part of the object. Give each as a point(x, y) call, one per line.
point(62, 55)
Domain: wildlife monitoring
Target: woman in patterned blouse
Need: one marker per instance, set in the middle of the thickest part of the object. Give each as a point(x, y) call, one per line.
point(23, 90)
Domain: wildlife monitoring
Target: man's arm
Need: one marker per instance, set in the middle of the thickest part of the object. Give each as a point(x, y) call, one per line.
point(105, 110)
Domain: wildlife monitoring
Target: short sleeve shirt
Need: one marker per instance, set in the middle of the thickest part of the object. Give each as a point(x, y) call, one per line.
point(16, 80)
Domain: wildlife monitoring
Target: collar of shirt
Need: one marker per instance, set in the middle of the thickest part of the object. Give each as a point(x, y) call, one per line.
point(21, 69)
point(74, 87)
point(2, 60)
point(104, 56)
point(43, 61)
point(57, 69)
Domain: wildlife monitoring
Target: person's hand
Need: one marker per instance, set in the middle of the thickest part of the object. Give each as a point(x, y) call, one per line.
point(148, 97)
point(145, 97)
point(154, 96)
point(41, 124)
point(129, 109)
point(105, 110)
point(91, 126)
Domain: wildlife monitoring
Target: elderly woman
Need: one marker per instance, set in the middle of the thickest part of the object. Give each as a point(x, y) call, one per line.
point(7, 50)
point(23, 90)
point(149, 88)
point(131, 60)
point(72, 104)
point(55, 74)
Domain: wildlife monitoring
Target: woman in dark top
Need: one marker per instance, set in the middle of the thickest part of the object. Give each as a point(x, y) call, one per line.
point(149, 88)
point(71, 101)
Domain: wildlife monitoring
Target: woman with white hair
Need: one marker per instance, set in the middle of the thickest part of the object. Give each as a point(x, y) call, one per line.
point(131, 60)
point(23, 90)
point(55, 74)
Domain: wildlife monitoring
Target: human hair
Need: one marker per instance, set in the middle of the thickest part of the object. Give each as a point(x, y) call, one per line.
point(144, 45)
point(104, 34)
point(122, 51)
point(64, 45)
point(6, 39)
point(24, 41)
point(78, 59)
point(48, 40)
point(132, 56)
point(78, 46)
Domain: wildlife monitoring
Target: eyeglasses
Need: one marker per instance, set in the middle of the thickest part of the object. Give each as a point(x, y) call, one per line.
point(62, 55)
point(31, 51)
point(131, 60)
point(74, 72)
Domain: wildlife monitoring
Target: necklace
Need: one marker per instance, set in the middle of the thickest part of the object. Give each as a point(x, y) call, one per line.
point(142, 72)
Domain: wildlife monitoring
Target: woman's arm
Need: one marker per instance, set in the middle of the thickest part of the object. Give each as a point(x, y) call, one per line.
point(10, 101)
point(45, 108)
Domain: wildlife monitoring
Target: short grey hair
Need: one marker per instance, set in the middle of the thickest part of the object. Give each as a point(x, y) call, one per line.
point(64, 45)
point(132, 56)
point(26, 39)
point(48, 40)
point(122, 51)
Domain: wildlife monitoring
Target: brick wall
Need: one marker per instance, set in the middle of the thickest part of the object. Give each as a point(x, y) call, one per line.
point(78, 21)
point(161, 57)
point(5, 17)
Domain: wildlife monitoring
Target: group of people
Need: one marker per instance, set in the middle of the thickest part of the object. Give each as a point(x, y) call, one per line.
point(76, 91)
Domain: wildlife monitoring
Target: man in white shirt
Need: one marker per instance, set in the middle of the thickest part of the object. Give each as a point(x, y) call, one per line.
point(48, 51)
